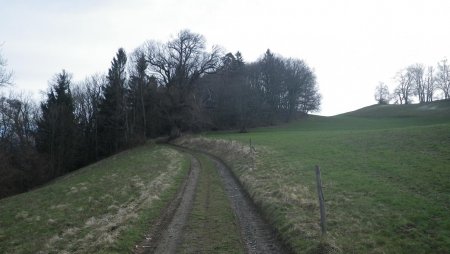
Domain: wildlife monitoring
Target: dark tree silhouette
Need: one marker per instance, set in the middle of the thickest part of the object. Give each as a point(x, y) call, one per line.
point(142, 90)
point(265, 92)
point(178, 65)
point(56, 128)
point(223, 92)
point(87, 97)
point(272, 75)
point(165, 89)
point(21, 166)
point(302, 94)
point(113, 115)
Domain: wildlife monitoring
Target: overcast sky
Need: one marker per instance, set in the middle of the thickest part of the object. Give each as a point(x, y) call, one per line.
point(351, 44)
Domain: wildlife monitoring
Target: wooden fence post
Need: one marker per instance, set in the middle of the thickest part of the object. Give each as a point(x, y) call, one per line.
point(323, 220)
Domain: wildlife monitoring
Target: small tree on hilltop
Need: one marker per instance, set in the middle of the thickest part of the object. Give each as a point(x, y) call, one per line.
point(382, 95)
point(417, 73)
point(443, 78)
point(405, 88)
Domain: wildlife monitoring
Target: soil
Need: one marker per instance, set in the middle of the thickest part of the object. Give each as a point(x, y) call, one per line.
point(256, 234)
point(166, 234)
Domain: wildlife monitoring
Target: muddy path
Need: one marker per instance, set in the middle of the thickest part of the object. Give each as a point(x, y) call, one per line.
point(256, 234)
point(167, 231)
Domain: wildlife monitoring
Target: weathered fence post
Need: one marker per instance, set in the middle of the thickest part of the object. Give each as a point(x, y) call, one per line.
point(252, 150)
point(323, 219)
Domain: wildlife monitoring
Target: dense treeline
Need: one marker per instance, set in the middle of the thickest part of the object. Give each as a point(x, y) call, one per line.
point(272, 89)
point(160, 89)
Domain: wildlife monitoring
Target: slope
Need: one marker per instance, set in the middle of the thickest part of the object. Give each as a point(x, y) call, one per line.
point(103, 208)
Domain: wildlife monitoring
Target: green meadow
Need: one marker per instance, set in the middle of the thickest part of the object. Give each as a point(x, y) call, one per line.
point(385, 171)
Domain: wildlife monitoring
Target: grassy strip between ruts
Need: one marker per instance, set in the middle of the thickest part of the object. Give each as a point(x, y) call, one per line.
point(212, 226)
point(103, 208)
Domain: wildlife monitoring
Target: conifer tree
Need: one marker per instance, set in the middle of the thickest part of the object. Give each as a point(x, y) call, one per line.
point(56, 128)
point(114, 129)
point(139, 96)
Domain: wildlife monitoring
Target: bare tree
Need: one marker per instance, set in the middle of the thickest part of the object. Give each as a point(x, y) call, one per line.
point(302, 94)
point(382, 95)
point(430, 84)
point(21, 166)
point(183, 60)
point(416, 72)
point(177, 65)
point(273, 70)
point(397, 95)
point(443, 78)
point(16, 120)
point(405, 88)
point(87, 97)
point(5, 75)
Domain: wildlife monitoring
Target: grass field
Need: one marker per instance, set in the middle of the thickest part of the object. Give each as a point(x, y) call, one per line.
point(102, 208)
point(385, 169)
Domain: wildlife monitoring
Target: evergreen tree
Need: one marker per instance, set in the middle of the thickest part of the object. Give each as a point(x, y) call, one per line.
point(56, 128)
point(139, 97)
point(245, 95)
point(113, 115)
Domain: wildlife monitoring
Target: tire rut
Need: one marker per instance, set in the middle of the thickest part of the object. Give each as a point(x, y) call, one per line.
point(257, 235)
point(167, 232)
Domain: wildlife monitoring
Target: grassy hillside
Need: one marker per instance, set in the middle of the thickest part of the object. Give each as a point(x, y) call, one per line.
point(103, 208)
point(374, 117)
point(385, 170)
point(437, 110)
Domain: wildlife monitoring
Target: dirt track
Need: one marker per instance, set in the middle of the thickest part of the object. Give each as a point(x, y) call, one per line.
point(167, 231)
point(257, 236)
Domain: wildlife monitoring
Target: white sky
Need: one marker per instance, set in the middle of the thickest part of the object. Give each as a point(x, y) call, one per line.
point(351, 44)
